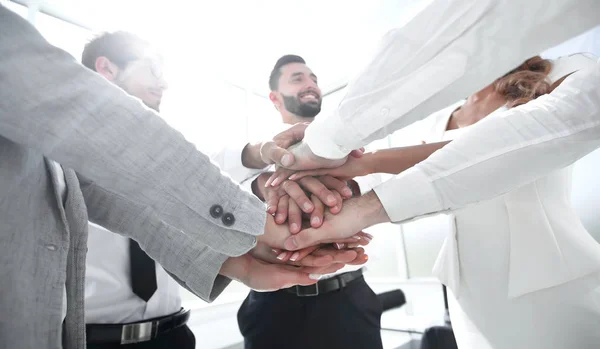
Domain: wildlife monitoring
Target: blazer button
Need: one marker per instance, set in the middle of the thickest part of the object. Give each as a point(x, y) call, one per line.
point(228, 219)
point(216, 211)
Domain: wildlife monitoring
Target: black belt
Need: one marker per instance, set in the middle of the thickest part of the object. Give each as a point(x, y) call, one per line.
point(135, 332)
point(324, 286)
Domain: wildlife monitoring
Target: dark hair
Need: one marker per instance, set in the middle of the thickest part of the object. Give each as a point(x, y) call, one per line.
point(119, 47)
point(526, 82)
point(276, 72)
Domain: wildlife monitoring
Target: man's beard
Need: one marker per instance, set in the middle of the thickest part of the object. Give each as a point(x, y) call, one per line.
point(305, 110)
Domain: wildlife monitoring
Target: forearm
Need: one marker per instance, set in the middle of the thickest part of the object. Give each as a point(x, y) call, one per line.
point(396, 160)
point(449, 50)
point(76, 117)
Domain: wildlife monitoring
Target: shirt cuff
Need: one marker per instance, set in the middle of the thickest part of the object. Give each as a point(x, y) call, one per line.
point(330, 138)
point(408, 195)
point(230, 161)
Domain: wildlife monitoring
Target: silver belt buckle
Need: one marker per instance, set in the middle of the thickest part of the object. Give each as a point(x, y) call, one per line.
point(301, 293)
point(135, 333)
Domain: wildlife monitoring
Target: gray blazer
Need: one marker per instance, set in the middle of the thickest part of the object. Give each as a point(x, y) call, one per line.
point(124, 168)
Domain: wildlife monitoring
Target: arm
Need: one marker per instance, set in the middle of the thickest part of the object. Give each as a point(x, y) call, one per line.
point(498, 155)
point(391, 161)
point(74, 116)
point(448, 51)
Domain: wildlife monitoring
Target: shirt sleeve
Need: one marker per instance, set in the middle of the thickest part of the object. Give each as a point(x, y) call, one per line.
point(448, 51)
point(502, 153)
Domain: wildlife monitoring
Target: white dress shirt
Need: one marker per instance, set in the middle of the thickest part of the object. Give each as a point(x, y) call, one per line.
point(108, 294)
point(448, 51)
point(109, 298)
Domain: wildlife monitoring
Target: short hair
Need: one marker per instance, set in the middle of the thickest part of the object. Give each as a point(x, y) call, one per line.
point(119, 47)
point(276, 72)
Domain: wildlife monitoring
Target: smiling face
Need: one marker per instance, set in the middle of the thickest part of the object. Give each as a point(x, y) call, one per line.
point(297, 93)
point(138, 71)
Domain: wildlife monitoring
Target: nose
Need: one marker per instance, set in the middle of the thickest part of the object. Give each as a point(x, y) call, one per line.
point(162, 83)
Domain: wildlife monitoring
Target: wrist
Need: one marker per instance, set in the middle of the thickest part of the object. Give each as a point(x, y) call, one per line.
point(251, 156)
point(236, 268)
point(370, 210)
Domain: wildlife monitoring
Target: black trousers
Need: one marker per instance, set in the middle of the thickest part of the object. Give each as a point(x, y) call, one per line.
point(179, 338)
point(349, 318)
point(438, 337)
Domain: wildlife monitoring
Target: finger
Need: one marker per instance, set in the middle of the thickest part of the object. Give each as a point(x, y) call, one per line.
point(336, 184)
point(316, 187)
point(281, 176)
point(357, 153)
point(294, 217)
point(297, 194)
point(272, 200)
point(298, 256)
point(285, 277)
point(271, 153)
point(315, 261)
point(282, 209)
point(365, 238)
point(313, 173)
point(316, 217)
point(284, 256)
point(337, 256)
point(361, 257)
point(291, 136)
point(338, 207)
point(305, 238)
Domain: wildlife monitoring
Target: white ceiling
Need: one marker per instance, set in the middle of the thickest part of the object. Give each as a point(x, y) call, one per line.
point(240, 40)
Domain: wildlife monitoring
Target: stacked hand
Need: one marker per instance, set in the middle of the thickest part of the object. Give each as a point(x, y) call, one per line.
point(310, 233)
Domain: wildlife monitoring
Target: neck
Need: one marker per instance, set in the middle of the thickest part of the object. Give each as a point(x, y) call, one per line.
point(478, 106)
point(291, 119)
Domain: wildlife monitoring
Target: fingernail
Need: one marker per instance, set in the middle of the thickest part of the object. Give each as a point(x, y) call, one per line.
point(295, 256)
point(279, 217)
point(347, 192)
point(307, 206)
point(368, 238)
point(294, 227)
point(293, 177)
point(275, 182)
point(369, 235)
point(315, 276)
point(281, 256)
point(356, 237)
point(352, 245)
point(339, 245)
point(274, 251)
point(315, 220)
point(286, 160)
point(331, 199)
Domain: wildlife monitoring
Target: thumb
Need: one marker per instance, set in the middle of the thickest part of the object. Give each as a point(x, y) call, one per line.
point(273, 154)
point(306, 238)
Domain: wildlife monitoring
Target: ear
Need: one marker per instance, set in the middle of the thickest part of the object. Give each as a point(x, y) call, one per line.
point(106, 68)
point(275, 99)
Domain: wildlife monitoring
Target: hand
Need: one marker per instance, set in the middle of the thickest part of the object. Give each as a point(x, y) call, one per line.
point(317, 256)
point(275, 151)
point(275, 235)
point(354, 167)
point(360, 239)
point(306, 160)
point(263, 276)
point(357, 214)
point(289, 200)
